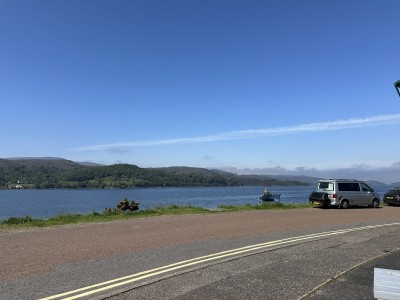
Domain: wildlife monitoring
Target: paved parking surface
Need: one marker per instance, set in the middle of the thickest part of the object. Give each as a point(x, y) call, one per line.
point(37, 263)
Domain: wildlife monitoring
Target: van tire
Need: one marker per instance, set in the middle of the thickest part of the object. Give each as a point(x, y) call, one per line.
point(344, 204)
point(375, 203)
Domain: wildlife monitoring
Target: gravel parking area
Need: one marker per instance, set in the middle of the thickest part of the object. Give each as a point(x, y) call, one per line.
point(36, 251)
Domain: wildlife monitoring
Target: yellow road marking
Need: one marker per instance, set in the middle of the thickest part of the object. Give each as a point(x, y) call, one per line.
point(107, 285)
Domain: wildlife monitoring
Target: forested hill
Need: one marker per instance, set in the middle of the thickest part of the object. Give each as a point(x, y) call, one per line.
point(61, 173)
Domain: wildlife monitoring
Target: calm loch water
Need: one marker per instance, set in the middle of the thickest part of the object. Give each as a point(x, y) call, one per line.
point(48, 203)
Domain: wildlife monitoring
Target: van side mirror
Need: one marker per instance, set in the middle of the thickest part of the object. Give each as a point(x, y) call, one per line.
point(397, 86)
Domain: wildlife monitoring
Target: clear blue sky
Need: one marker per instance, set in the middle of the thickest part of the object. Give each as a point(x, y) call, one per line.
point(247, 84)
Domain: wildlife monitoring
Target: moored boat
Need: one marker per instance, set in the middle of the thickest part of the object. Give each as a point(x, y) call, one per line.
point(267, 196)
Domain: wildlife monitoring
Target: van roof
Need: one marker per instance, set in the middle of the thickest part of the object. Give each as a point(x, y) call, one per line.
point(339, 180)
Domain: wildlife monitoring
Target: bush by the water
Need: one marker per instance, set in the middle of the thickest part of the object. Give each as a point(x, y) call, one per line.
point(16, 221)
point(122, 206)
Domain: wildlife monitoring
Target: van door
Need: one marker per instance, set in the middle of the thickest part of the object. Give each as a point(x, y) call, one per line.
point(351, 191)
point(366, 194)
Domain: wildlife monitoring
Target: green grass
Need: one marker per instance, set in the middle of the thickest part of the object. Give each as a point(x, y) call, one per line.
point(64, 219)
point(263, 206)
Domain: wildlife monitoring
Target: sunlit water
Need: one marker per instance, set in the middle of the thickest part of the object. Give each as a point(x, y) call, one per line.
point(48, 203)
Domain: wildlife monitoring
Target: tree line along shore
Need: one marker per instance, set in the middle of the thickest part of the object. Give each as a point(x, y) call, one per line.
point(61, 173)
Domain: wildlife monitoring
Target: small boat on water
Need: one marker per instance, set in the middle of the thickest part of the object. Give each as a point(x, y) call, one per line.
point(267, 196)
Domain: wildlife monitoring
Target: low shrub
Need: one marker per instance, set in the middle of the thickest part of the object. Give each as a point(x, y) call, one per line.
point(17, 221)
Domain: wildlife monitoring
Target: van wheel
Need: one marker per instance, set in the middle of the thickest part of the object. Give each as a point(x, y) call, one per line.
point(344, 204)
point(375, 203)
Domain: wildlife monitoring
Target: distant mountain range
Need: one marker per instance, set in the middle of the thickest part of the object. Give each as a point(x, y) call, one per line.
point(381, 176)
point(55, 172)
point(52, 172)
point(53, 158)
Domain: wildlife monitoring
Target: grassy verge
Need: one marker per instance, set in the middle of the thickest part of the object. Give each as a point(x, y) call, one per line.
point(64, 219)
point(263, 206)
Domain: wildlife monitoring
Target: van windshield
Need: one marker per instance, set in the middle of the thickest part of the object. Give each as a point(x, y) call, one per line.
point(325, 185)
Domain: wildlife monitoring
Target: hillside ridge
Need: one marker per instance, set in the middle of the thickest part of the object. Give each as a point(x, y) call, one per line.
point(62, 173)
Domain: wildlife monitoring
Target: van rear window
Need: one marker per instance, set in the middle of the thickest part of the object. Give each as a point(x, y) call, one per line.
point(349, 186)
point(325, 185)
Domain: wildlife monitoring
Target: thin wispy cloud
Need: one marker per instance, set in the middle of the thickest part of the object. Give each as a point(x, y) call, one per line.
point(257, 133)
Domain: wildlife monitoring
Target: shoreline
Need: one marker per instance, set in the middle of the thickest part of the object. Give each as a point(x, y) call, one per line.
point(105, 216)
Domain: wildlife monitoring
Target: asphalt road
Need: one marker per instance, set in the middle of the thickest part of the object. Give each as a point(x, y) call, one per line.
point(40, 263)
point(335, 268)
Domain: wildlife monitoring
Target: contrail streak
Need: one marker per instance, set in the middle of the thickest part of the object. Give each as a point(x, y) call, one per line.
point(257, 133)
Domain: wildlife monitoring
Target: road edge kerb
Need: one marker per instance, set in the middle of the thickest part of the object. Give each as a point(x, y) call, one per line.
point(314, 290)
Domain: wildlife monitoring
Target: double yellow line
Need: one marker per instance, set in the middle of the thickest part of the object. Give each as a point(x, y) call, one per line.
point(118, 282)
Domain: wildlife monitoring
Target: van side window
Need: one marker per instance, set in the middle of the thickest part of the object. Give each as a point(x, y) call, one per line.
point(349, 186)
point(365, 187)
